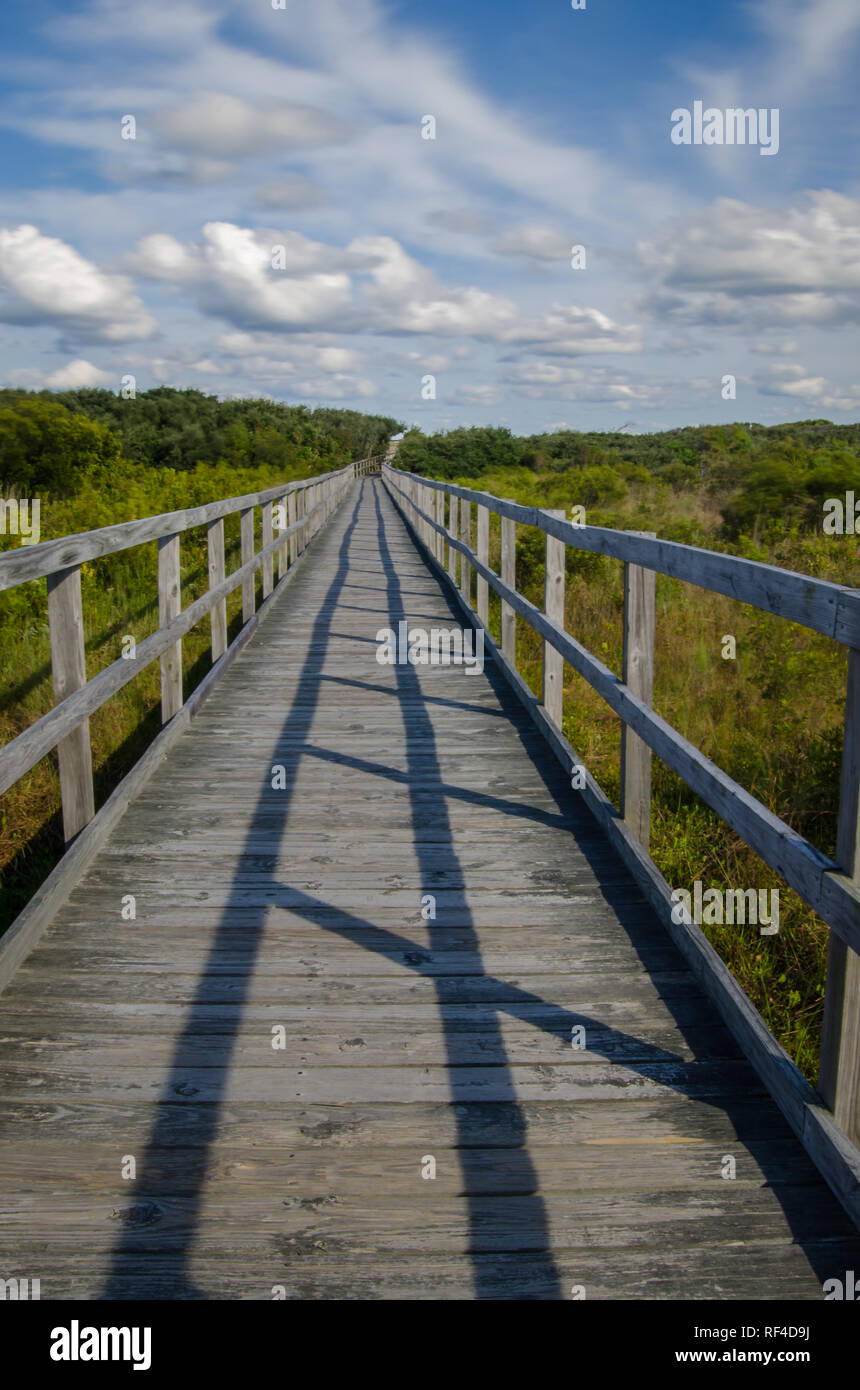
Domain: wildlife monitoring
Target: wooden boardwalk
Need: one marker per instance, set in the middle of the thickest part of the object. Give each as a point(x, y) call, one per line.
point(263, 1169)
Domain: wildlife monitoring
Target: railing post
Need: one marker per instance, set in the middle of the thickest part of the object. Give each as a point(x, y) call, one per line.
point(218, 615)
point(839, 1071)
point(638, 674)
point(169, 606)
point(69, 671)
point(439, 514)
point(482, 588)
point(553, 607)
point(291, 518)
point(466, 538)
point(452, 527)
point(509, 576)
point(282, 549)
point(300, 512)
point(268, 561)
point(248, 583)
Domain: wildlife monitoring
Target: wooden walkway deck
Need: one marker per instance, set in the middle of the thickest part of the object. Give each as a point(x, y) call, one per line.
point(299, 1169)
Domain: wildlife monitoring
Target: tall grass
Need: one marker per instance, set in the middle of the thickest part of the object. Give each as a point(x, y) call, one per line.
point(772, 718)
point(120, 598)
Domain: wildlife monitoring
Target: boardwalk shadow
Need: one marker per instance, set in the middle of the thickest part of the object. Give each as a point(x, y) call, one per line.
point(154, 1192)
point(793, 1195)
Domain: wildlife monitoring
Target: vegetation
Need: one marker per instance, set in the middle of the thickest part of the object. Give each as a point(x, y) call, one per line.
point(93, 459)
point(772, 718)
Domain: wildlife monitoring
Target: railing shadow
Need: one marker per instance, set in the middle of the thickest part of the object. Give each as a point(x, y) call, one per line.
point(155, 1186)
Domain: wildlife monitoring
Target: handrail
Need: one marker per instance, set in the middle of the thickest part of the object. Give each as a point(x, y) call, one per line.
point(831, 609)
point(36, 561)
point(308, 504)
point(831, 888)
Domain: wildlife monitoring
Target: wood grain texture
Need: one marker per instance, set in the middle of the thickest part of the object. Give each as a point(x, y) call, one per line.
point(816, 878)
point(69, 673)
point(553, 607)
point(831, 609)
point(34, 561)
point(169, 607)
point(637, 673)
point(421, 916)
point(217, 575)
point(839, 1078)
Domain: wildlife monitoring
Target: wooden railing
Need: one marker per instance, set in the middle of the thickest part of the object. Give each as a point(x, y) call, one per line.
point(831, 888)
point(303, 506)
point(364, 467)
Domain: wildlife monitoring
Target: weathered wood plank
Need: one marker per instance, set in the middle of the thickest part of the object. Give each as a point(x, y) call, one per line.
point(638, 675)
point(839, 1077)
point(300, 909)
point(69, 673)
point(169, 607)
point(831, 609)
point(553, 604)
point(35, 561)
point(217, 575)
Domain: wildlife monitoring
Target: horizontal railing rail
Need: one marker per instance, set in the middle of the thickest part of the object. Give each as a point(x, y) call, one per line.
point(304, 506)
point(830, 887)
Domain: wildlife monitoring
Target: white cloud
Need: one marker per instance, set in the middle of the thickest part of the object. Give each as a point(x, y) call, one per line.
point(291, 192)
point(80, 373)
point(221, 126)
point(794, 380)
point(533, 242)
point(738, 263)
point(461, 220)
point(232, 275)
point(45, 281)
point(371, 285)
point(478, 395)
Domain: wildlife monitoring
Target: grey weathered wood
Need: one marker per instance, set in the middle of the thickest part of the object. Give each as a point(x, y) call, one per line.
point(451, 532)
point(169, 607)
point(291, 519)
point(466, 540)
point(218, 615)
point(268, 535)
point(509, 577)
point(28, 748)
point(638, 675)
point(440, 518)
point(553, 605)
point(403, 1037)
point(29, 926)
point(839, 1074)
point(283, 550)
point(836, 1157)
point(69, 673)
point(832, 894)
point(249, 585)
point(35, 561)
point(828, 608)
point(482, 590)
point(301, 504)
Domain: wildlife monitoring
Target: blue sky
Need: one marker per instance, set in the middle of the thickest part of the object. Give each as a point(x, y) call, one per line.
point(431, 279)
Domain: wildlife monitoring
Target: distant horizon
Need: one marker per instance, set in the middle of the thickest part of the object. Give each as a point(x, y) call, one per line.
point(382, 412)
